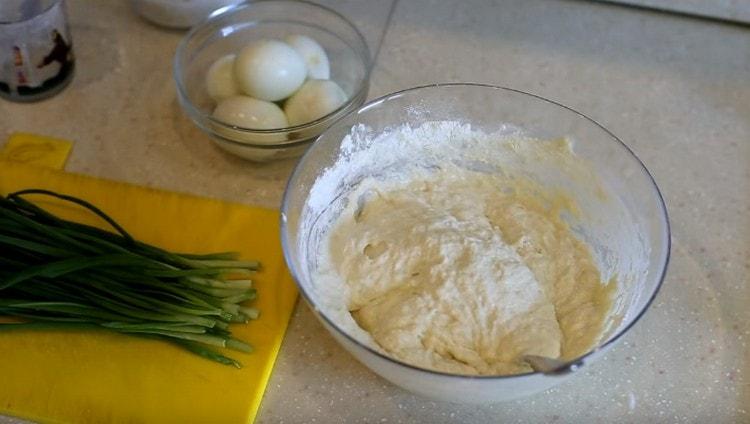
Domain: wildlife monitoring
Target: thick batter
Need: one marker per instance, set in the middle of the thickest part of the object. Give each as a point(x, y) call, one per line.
point(466, 272)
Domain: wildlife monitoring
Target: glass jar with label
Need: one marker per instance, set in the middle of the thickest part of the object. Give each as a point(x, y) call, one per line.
point(36, 51)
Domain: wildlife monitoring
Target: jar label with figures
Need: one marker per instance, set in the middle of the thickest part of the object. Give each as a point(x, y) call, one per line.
point(36, 56)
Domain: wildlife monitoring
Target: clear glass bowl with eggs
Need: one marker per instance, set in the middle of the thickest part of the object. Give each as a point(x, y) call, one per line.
point(264, 79)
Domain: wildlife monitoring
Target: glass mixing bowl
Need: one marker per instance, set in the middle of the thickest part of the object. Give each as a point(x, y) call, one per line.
point(627, 229)
point(231, 28)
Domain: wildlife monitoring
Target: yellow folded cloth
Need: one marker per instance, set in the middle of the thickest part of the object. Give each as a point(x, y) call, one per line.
point(101, 377)
point(36, 150)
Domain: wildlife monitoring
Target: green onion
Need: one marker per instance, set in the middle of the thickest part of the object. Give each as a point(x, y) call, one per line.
point(57, 274)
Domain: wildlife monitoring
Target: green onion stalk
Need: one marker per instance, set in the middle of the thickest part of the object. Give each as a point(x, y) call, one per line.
point(57, 274)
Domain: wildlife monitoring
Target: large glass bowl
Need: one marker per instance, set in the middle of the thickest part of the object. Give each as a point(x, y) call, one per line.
point(231, 28)
point(629, 236)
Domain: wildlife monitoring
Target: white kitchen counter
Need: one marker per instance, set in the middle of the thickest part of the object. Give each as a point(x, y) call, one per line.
point(676, 90)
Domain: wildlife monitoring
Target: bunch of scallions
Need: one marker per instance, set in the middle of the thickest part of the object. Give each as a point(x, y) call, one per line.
point(57, 274)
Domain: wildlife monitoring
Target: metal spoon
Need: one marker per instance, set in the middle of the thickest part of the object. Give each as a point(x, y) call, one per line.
point(547, 365)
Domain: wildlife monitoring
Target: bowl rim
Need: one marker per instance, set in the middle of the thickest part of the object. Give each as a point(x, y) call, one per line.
point(571, 365)
point(196, 114)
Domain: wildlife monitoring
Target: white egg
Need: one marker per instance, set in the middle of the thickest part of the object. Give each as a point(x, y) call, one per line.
point(315, 99)
point(220, 81)
point(246, 112)
point(314, 55)
point(252, 153)
point(269, 70)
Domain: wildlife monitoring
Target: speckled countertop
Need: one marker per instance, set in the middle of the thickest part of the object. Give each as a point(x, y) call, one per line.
point(677, 90)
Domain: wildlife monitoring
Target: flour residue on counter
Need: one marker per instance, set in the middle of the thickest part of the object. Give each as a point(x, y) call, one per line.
point(445, 265)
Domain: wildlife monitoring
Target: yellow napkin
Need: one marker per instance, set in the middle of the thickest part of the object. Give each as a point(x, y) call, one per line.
point(103, 377)
point(37, 150)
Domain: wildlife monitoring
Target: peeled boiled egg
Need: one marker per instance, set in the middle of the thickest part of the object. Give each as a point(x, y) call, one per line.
point(269, 70)
point(220, 81)
point(246, 112)
point(315, 57)
point(315, 99)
